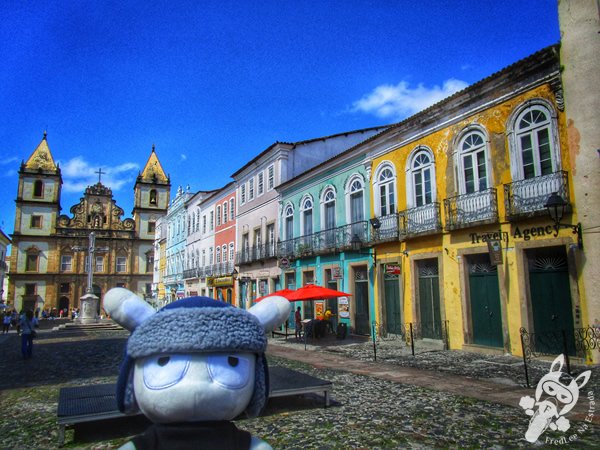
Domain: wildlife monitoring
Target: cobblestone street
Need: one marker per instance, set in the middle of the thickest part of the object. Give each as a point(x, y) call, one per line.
point(384, 404)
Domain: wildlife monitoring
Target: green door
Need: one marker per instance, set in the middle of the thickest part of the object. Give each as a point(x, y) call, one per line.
point(551, 300)
point(429, 299)
point(391, 292)
point(361, 291)
point(486, 315)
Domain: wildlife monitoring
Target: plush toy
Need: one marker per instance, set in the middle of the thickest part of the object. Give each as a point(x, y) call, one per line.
point(194, 366)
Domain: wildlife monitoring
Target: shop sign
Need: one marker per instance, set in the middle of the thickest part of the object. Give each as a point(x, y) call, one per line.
point(210, 282)
point(343, 307)
point(518, 233)
point(393, 269)
point(336, 273)
point(222, 281)
point(495, 251)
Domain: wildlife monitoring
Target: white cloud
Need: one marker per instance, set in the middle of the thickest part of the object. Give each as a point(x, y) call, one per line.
point(9, 160)
point(78, 174)
point(183, 157)
point(401, 100)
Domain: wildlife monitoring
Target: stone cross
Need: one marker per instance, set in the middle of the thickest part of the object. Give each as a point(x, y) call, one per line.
point(100, 173)
point(92, 249)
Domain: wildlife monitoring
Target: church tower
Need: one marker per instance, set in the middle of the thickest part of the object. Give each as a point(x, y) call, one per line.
point(37, 210)
point(152, 192)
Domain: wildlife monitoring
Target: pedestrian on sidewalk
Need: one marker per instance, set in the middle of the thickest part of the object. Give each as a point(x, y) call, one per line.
point(27, 334)
point(298, 322)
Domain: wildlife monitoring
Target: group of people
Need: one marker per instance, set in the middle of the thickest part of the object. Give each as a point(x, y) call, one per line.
point(317, 327)
point(26, 323)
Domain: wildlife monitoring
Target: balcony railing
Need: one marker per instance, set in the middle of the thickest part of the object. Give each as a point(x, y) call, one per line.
point(255, 253)
point(323, 242)
point(470, 209)
point(422, 219)
point(190, 273)
point(526, 198)
point(222, 269)
point(388, 229)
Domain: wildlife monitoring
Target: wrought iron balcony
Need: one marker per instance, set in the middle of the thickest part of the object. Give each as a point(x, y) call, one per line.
point(222, 269)
point(419, 220)
point(526, 198)
point(255, 253)
point(471, 209)
point(388, 229)
point(324, 242)
point(190, 273)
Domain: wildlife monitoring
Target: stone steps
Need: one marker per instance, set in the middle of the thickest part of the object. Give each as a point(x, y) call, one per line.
point(101, 325)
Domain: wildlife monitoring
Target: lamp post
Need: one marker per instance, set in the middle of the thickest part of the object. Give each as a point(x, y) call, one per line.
point(556, 207)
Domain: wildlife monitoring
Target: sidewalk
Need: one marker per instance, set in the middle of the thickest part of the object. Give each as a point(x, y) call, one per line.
point(464, 385)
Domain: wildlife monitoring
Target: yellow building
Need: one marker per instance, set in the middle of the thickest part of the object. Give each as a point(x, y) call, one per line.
point(466, 183)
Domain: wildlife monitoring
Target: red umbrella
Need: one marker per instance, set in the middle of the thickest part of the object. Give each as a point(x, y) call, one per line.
point(314, 292)
point(282, 293)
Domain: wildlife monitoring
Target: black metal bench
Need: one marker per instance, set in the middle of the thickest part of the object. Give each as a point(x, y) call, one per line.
point(95, 403)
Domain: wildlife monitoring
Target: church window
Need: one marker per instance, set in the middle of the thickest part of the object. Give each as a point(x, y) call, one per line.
point(66, 263)
point(151, 226)
point(149, 261)
point(31, 261)
point(99, 267)
point(65, 288)
point(38, 189)
point(36, 221)
point(121, 264)
point(153, 197)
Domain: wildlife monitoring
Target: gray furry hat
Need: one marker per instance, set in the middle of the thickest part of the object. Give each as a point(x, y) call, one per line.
point(196, 325)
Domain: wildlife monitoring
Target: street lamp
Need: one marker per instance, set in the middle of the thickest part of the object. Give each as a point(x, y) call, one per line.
point(356, 244)
point(556, 207)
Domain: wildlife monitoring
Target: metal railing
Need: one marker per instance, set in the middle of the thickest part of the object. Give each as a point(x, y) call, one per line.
point(570, 342)
point(524, 198)
point(469, 209)
point(255, 253)
point(388, 229)
point(322, 242)
point(422, 219)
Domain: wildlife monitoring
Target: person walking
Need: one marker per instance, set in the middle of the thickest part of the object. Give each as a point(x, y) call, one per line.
point(298, 322)
point(6, 323)
point(27, 334)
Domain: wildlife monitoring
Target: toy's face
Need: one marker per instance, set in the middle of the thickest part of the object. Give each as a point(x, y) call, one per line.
point(194, 387)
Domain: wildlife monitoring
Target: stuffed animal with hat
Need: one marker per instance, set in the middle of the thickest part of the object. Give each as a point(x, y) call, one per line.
point(192, 367)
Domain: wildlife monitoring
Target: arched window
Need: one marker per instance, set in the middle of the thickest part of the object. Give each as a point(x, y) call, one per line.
point(224, 251)
point(225, 212)
point(472, 163)
point(307, 215)
point(289, 222)
point(420, 181)
point(218, 254)
point(38, 189)
point(232, 209)
point(385, 190)
point(328, 214)
point(153, 197)
point(218, 215)
point(534, 149)
point(355, 198)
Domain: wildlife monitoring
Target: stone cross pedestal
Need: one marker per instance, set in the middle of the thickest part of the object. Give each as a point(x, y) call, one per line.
point(88, 309)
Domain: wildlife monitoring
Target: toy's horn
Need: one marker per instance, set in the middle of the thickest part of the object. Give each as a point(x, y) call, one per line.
point(126, 308)
point(271, 312)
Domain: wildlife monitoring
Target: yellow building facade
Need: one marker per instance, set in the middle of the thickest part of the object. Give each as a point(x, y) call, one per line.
point(470, 177)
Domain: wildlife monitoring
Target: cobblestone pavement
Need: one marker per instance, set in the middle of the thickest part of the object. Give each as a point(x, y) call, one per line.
point(368, 410)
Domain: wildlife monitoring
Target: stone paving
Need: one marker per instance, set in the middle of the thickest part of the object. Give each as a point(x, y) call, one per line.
point(368, 410)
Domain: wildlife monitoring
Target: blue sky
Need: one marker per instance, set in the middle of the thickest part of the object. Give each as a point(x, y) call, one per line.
point(213, 83)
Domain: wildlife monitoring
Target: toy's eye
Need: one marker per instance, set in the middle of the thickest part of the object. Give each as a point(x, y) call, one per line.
point(230, 371)
point(163, 371)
